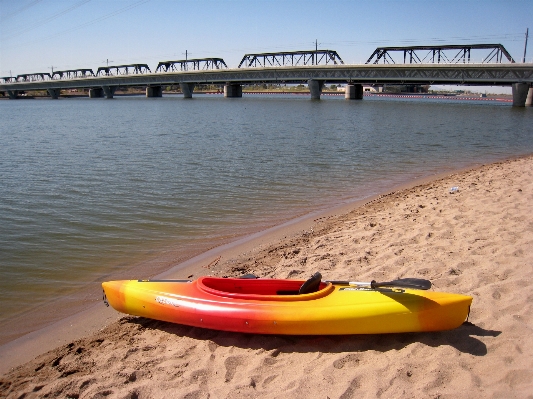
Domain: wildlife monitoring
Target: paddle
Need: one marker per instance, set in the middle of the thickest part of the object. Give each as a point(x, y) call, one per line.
point(415, 283)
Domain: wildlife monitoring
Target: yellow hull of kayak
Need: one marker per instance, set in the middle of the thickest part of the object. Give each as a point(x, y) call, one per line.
point(256, 306)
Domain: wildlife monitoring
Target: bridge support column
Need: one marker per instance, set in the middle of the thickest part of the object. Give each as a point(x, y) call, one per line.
point(520, 92)
point(188, 88)
point(529, 99)
point(353, 92)
point(315, 87)
point(109, 91)
point(13, 94)
point(54, 93)
point(96, 92)
point(154, 91)
point(232, 90)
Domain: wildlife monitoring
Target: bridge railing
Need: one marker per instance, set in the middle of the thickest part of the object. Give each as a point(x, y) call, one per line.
point(191, 65)
point(291, 58)
point(118, 70)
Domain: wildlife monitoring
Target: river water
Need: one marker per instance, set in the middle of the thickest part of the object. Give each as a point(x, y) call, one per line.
point(92, 187)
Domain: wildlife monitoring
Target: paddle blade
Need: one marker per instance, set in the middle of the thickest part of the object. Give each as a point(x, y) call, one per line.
point(248, 276)
point(414, 283)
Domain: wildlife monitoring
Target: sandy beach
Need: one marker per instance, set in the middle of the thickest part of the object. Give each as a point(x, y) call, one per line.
point(477, 240)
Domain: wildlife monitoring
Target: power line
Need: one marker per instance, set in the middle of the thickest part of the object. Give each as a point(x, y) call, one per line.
point(7, 16)
point(505, 36)
point(99, 19)
point(46, 20)
point(92, 22)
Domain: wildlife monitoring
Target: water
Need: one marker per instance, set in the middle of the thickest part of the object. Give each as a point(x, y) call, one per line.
point(90, 188)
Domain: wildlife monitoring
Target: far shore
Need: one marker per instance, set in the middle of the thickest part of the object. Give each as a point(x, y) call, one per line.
point(435, 95)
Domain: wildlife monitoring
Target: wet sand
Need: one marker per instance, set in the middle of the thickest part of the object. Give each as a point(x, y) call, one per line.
point(476, 241)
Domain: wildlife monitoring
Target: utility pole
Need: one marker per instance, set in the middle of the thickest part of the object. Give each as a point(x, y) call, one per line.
point(186, 58)
point(525, 46)
point(52, 68)
point(107, 61)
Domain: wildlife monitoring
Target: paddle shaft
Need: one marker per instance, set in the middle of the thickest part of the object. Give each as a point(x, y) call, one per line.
point(415, 283)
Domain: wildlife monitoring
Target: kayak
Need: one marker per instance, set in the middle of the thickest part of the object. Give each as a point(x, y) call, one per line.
point(294, 307)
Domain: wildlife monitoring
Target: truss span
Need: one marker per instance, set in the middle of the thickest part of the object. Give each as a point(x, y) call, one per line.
point(291, 58)
point(200, 64)
point(8, 79)
point(446, 54)
point(73, 74)
point(33, 77)
point(117, 70)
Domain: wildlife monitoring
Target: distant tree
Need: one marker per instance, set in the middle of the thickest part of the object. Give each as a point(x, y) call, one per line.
point(392, 88)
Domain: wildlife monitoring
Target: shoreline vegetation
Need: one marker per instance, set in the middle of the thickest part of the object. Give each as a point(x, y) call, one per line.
point(474, 240)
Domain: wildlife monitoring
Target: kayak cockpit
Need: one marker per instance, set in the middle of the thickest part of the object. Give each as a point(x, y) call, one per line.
point(262, 289)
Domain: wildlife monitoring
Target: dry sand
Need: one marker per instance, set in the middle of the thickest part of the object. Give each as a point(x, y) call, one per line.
point(476, 241)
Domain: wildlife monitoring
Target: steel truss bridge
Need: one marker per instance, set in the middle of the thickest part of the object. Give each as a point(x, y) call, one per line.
point(467, 74)
point(315, 67)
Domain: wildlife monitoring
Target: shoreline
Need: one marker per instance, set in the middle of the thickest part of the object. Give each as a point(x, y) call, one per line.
point(432, 96)
point(93, 319)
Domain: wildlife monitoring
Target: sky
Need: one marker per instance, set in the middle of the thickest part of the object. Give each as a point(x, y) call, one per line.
point(45, 35)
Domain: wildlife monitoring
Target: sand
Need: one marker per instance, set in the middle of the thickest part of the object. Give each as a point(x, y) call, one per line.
point(476, 241)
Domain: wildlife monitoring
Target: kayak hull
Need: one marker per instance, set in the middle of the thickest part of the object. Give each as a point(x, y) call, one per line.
point(270, 306)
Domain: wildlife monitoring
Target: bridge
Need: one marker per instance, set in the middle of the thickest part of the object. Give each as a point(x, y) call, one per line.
point(316, 68)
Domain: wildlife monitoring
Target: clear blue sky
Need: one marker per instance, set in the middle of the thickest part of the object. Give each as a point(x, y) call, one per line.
point(36, 35)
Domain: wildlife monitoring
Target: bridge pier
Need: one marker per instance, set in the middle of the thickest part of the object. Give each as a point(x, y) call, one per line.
point(109, 91)
point(529, 99)
point(520, 92)
point(96, 92)
point(315, 88)
point(188, 88)
point(232, 90)
point(154, 91)
point(353, 92)
point(13, 94)
point(54, 93)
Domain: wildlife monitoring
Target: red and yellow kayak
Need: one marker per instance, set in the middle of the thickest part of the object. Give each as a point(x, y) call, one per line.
point(274, 306)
